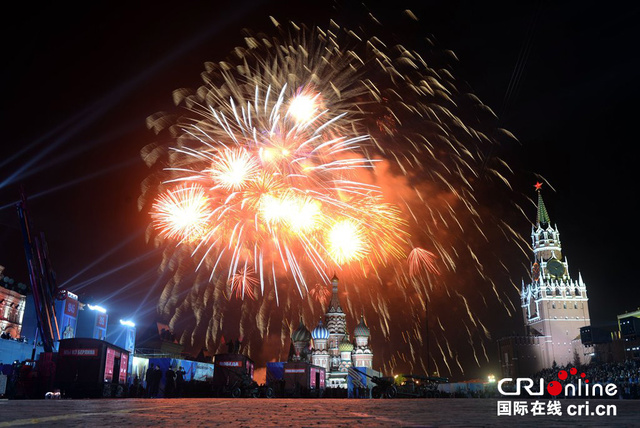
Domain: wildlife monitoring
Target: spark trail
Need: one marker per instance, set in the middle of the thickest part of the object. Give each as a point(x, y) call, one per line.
point(322, 151)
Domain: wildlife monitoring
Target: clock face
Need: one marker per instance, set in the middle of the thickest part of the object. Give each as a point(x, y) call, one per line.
point(555, 268)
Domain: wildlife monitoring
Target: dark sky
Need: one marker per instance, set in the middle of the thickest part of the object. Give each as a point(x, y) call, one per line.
point(79, 81)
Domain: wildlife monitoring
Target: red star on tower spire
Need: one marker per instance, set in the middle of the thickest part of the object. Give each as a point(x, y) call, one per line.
point(543, 216)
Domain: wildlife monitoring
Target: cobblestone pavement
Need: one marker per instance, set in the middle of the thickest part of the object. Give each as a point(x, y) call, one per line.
point(295, 413)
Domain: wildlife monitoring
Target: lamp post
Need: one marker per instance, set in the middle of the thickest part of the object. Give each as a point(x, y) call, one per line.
point(426, 324)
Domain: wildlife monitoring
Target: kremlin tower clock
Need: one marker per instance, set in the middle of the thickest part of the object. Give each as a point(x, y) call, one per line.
point(554, 306)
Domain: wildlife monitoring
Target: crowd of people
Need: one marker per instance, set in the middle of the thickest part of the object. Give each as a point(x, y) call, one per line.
point(149, 387)
point(24, 381)
point(7, 336)
point(19, 381)
point(625, 375)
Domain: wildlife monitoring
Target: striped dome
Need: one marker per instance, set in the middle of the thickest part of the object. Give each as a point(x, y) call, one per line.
point(320, 332)
point(361, 329)
point(301, 334)
point(345, 347)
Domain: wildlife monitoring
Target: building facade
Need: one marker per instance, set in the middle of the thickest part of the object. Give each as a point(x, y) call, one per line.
point(554, 307)
point(12, 306)
point(13, 300)
point(629, 334)
point(329, 345)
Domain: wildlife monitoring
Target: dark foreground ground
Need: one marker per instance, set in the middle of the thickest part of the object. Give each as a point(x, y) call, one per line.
point(295, 413)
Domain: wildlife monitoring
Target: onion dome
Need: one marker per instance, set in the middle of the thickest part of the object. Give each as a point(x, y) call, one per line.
point(301, 334)
point(345, 346)
point(361, 329)
point(320, 332)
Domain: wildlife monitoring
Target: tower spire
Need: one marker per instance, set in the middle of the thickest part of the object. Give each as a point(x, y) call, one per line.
point(542, 217)
point(334, 305)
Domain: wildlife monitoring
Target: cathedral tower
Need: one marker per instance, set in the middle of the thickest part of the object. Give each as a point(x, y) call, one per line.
point(362, 355)
point(332, 348)
point(320, 356)
point(301, 338)
point(336, 324)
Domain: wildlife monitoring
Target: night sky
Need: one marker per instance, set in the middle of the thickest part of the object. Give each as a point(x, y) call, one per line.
point(79, 82)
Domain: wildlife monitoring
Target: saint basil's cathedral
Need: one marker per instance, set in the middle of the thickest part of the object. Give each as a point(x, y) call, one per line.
point(328, 344)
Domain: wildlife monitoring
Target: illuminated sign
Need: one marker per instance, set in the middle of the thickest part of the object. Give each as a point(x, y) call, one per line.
point(124, 366)
point(230, 363)
point(101, 321)
point(108, 365)
point(81, 352)
point(71, 307)
point(294, 370)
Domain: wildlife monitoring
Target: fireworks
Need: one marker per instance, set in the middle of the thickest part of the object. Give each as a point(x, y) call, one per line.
point(299, 159)
point(232, 170)
point(242, 284)
point(278, 172)
point(320, 292)
point(421, 261)
point(346, 241)
point(182, 213)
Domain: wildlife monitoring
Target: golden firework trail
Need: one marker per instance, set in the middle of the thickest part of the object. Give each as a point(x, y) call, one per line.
point(318, 152)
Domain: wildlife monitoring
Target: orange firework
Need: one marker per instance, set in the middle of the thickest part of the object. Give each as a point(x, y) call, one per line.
point(421, 260)
point(316, 153)
point(182, 214)
point(299, 214)
point(320, 292)
point(233, 169)
point(242, 284)
point(284, 179)
point(304, 106)
point(346, 241)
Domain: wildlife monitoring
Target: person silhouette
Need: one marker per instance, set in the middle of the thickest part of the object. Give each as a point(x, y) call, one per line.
point(180, 374)
point(169, 383)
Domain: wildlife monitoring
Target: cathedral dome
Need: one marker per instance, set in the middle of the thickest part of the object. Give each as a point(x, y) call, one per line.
point(345, 347)
point(320, 332)
point(301, 334)
point(361, 329)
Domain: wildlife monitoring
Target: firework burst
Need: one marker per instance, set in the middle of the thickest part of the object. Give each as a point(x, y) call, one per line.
point(278, 171)
point(422, 261)
point(320, 292)
point(182, 213)
point(319, 152)
point(242, 284)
